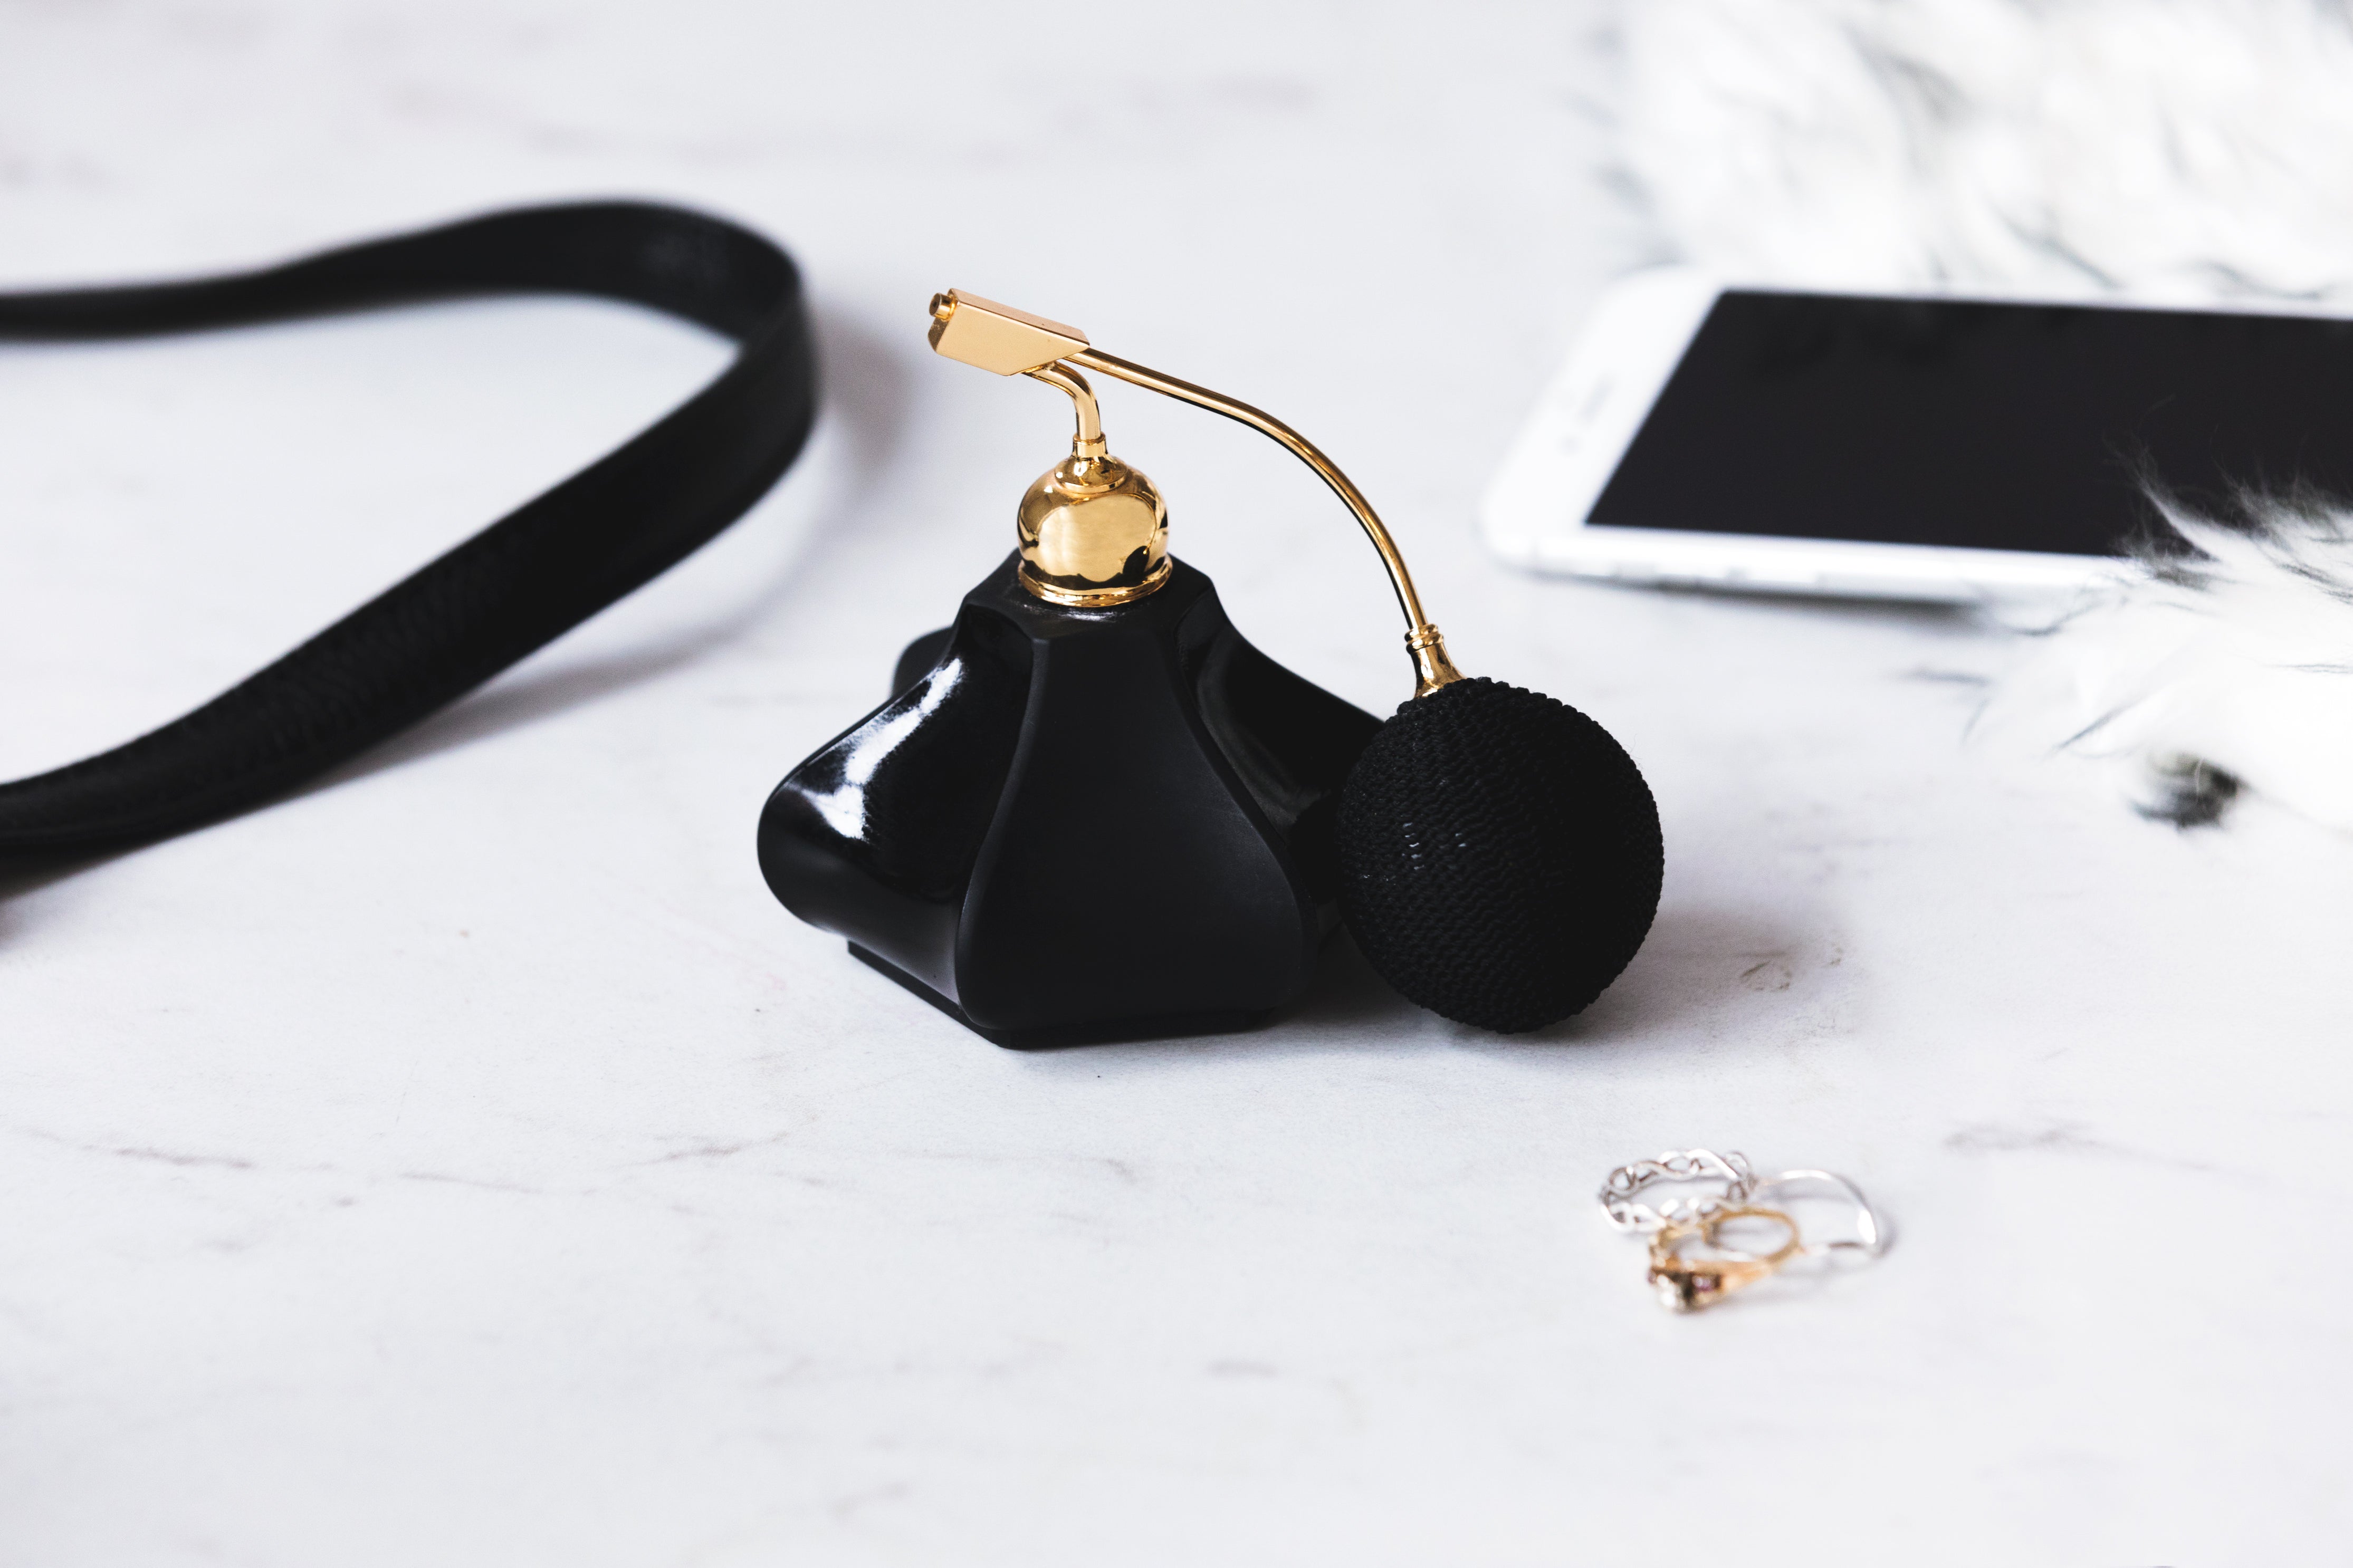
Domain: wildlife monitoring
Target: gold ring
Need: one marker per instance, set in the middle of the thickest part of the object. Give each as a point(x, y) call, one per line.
point(1688, 1285)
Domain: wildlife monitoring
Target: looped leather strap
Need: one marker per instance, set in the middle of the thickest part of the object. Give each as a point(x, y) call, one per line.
point(520, 583)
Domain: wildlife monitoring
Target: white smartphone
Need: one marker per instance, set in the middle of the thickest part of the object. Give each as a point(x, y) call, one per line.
point(1906, 447)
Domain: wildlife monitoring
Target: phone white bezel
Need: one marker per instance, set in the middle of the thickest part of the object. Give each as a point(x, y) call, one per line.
point(1533, 511)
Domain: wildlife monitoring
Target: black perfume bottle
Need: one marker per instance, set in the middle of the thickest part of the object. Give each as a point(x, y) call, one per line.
point(1079, 823)
point(1090, 811)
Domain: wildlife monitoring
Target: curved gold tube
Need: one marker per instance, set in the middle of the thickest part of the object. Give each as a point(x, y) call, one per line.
point(1089, 442)
point(1432, 668)
point(999, 338)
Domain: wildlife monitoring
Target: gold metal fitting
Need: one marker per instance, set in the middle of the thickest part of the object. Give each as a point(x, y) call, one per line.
point(1431, 665)
point(1000, 338)
point(1694, 1284)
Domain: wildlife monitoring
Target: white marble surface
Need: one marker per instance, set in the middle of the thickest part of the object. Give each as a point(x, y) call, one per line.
point(467, 1163)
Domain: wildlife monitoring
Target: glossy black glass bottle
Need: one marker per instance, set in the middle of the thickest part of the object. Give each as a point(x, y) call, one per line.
point(1073, 825)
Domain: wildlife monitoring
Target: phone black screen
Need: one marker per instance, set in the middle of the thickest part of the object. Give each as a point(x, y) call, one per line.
point(1999, 427)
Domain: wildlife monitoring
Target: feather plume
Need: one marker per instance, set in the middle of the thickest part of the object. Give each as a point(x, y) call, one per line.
point(2167, 149)
point(2164, 150)
point(2206, 673)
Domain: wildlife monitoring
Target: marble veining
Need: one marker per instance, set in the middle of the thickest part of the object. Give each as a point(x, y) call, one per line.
point(466, 1162)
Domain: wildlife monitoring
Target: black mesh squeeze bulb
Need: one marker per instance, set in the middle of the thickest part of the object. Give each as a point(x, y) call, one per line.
point(1498, 851)
point(1500, 854)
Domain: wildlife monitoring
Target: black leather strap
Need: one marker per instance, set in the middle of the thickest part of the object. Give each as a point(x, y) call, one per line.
point(512, 587)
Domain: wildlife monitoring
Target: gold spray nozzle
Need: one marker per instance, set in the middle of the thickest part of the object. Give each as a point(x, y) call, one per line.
point(998, 337)
point(1014, 342)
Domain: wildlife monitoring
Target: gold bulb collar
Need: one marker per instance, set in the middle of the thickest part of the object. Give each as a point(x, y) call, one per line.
point(1432, 668)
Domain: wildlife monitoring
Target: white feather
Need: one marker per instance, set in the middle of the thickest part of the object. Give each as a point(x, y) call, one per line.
point(2174, 150)
point(2238, 663)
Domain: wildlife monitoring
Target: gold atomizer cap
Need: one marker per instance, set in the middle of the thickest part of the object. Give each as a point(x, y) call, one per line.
point(1093, 531)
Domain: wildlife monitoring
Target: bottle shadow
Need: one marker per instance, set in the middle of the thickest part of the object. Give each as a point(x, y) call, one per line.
point(1698, 960)
point(1701, 960)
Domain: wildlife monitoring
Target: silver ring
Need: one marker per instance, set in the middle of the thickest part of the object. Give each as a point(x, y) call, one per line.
point(1624, 1213)
point(1870, 1236)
